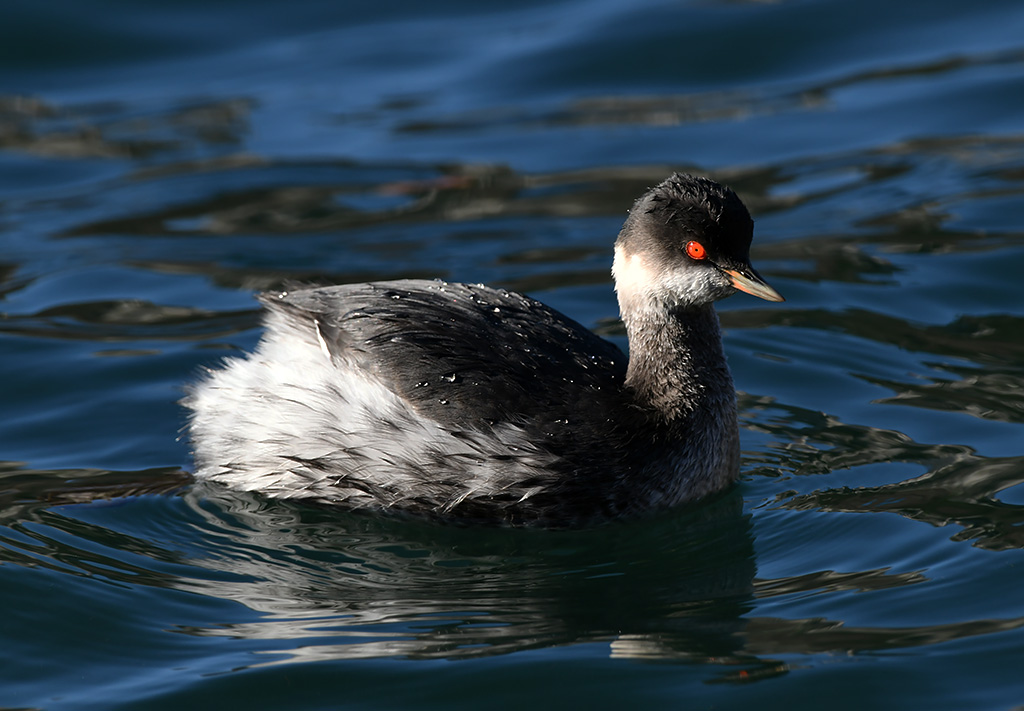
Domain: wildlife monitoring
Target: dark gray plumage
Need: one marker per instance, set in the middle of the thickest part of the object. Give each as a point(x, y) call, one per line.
point(476, 404)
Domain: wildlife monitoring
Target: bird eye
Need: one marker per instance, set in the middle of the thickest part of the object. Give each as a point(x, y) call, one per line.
point(695, 250)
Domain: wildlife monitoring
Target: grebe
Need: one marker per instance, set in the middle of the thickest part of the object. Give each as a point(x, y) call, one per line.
point(468, 403)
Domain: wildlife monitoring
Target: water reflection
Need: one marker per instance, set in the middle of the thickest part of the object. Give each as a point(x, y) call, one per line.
point(812, 636)
point(127, 320)
point(730, 105)
point(352, 196)
point(322, 585)
point(807, 442)
point(988, 395)
point(332, 585)
point(959, 487)
point(354, 586)
point(962, 493)
point(32, 125)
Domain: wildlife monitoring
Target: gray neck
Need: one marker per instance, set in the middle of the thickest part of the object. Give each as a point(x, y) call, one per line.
point(678, 375)
point(676, 364)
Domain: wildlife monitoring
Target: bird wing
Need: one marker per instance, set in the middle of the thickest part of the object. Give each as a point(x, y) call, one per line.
point(465, 355)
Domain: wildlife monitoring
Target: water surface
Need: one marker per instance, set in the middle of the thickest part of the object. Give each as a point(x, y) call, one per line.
point(161, 162)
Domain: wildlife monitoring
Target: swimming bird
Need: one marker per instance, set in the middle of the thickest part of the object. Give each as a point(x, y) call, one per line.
point(468, 403)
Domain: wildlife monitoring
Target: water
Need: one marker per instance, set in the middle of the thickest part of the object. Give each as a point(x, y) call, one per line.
point(161, 161)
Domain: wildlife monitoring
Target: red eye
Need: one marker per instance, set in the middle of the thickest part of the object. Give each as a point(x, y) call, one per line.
point(696, 250)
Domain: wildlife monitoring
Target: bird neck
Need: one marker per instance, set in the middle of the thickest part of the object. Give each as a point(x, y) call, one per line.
point(676, 363)
point(679, 379)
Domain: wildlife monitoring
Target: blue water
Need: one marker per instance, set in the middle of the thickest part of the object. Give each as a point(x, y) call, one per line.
point(160, 162)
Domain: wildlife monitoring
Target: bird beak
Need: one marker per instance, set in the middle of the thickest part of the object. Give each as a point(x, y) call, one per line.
point(748, 280)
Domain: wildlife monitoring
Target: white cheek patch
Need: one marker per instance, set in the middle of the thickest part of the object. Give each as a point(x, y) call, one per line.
point(634, 278)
